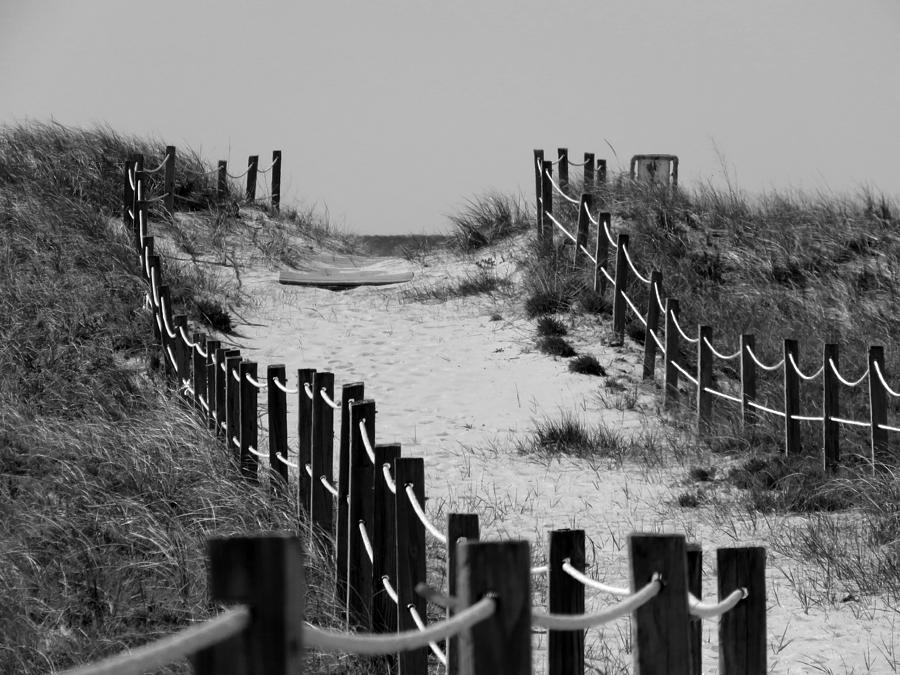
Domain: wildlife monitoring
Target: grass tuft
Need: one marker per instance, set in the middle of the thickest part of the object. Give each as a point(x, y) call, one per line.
point(548, 325)
point(586, 364)
point(554, 345)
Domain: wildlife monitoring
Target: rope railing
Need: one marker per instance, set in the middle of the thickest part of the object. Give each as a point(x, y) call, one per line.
point(240, 175)
point(659, 345)
point(308, 390)
point(420, 512)
point(172, 358)
point(690, 378)
point(328, 399)
point(379, 644)
point(688, 338)
point(634, 269)
point(559, 225)
point(162, 165)
point(253, 451)
point(718, 354)
point(721, 394)
point(540, 569)
point(439, 654)
point(845, 381)
point(609, 237)
point(704, 610)
point(268, 168)
point(328, 486)
point(389, 588)
point(171, 649)
point(800, 373)
point(388, 479)
point(762, 365)
point(584, 621)
point(284, 460)
point(634, 309)
point(559, 189)
point(252, 380)
point(367, 444)
point(808, 418)
point(853, 423)
point(771, 411)
point(659, 300)
point(367, 543)
point(592, 583)
point(587, 253)
point(606, 274)
point(591, 218)
point(283, 386)
point(308, 469)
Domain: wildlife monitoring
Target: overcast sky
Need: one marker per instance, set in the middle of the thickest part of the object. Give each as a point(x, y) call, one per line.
point(392, 113)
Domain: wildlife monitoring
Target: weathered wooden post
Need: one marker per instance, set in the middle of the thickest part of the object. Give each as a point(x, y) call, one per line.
point(704, 378)
point(222, 356)
point(748, 381)
point(276, 180)
point(660, 628)
point(182, 359)
point(460, 527)
point(791, 399)
point(501, 644)
point(168, 354)
point(831, 407)
point(589, 173)
point(212, 347)
point(877, 403)
point(360, 508)
point(305, 378)
point(563, 155)
point(581, 238)
point(546, 207)
point(650, 346)
point(222, 183)
point(169, 179)
point(384, 538)
point(265, 573)
point(619, 294)
point(233, 406)
point(538, 167)
point(322, 503)
point(251, 177)
point(350, 392)
point(199, 372)
point(673, 348)
point(565, 651)
point(276, 400)
point(695, 587)
point(249, 433)
point(742, 630)
point(601, 253)
point(410, 556)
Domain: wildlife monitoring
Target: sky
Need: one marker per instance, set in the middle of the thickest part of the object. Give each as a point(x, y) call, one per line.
point(392, 114)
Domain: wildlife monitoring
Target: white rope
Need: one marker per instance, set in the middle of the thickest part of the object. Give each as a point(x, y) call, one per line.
point(841, 377)
point(771, 411)
point(146, 260)
point(222, 366)
point(588, 254)
point(584, 621)
point(709, 610)
point(253, 451)
point(559, 189)
point(720, 394)
point(163, 307)
point(436, 533)
point(386, 472)
point(760, 363)
point(365, 439)
point(841, 420)
point(592, 583)
point(590, 217)
point(884, 382)
point(690, 378)
point(308, 389)
point(236, 376)
point(252, 380)
point(606, 274)
point(559, 225)
point(640, 276)
point(171, 358)
point(240, 175)
point(308, 470)
point(153, 285)
point(161, 166)
point(200, 351)
point(282, 386)
point(540, 569)
point(130, 173)
point(186, 339)
point(421, 626)
point(659, 300)
point(392, 643)
point(808, 418)
point(237, 443)
point(718, 354)
point(389, 589)
point(203, 402)
point(222, 425)
point(803, 375)
point(659, 344)
point(171, 649)
point(367, 543)
point(328, 486)
point(268, 168)
point(887, 427)
point(281, 458)
point(690, 339)
point(328, 399)
point(634, 309)
point(186, 386)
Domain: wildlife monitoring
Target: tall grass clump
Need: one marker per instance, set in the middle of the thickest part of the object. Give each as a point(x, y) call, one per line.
point(487, 219)
point(109, 488)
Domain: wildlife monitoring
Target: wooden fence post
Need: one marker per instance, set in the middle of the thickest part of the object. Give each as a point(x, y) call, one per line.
point(251, 177)
point(322, 503)
point(266, 573)
point(305, 377)
point(222, 183)
point(249, 433)
point(742, 630)
point(589, 173)
point(199, 371)
point(670, 394)
point(276, 180)
point(460, 527)
point(650, 345)
point(180, 325)
point(565, 651)
point(547, 207)
point(233, 407)
point(169, 180)
point(619, 294)
point(660, 627)
point(877, 403)
point(791, 399)
point(383, 533)
point(165, 342)
point(410, 557)
point(222, 390)
point(563, 156)
point(213, 351)
point(831, 407)
point(147, 246)
point(695, 587)
point(350, 392)
point(601, 254)
point(501, 644)
point(359, 567)
point(537, 167)
point(587, 203)
point(748, 381)
point(276, 401)
point(704, 378)
point(128, 193)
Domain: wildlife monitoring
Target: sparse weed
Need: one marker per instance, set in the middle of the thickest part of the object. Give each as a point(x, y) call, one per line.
point(586, 364)
point(554, 345)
